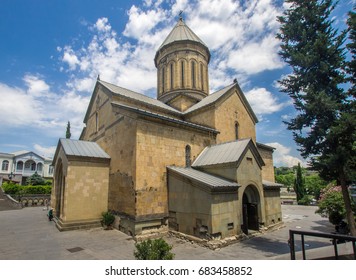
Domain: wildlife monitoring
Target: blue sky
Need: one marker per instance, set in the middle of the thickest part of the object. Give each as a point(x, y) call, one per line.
point(52, 51)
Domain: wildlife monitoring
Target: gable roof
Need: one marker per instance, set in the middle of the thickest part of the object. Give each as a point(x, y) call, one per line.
point(225, 153)
point(138, 97)
point(210, 99)
point(165, 118)
point(79, 148)
point(213, 182)
point(216, 96)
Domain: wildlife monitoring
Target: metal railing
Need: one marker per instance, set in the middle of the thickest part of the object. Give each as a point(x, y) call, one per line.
point(335, 239)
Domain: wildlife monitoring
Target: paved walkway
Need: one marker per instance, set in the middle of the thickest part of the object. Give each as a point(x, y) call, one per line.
point(27, 234)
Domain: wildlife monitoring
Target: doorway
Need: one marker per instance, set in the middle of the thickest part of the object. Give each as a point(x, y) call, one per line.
point(250, 211)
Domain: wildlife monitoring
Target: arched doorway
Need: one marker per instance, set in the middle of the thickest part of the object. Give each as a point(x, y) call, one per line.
point(250, 209)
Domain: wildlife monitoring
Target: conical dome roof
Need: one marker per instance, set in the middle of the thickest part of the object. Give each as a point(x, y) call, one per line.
point(181, 32)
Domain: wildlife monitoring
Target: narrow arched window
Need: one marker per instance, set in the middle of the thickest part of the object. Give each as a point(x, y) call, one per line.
point(187, 156)
point(236, 130)
point(172, 75)
point(202, 76)
point(193, 74)
point(5, 165)
point(163, 79)
point(182, 70)
point(96, 121)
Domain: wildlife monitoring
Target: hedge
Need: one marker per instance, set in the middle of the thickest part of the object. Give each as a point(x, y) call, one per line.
point(12, 188)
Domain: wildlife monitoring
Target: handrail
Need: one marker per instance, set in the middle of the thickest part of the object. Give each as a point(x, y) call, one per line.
point(334, 237)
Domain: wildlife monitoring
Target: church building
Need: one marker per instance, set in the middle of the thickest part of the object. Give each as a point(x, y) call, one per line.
point(187, 161)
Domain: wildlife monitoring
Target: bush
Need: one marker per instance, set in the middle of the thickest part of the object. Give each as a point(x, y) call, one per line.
point(156, 249)
point(107, 219)
point(11, 188)
point(35, 180)
point(305, 200)
point(331, 204)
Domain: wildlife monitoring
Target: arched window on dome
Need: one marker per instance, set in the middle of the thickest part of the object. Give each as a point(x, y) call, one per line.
point(172, 75)
point(193, 74)
point(182, 73)
point(202, 76)
point(163, 79)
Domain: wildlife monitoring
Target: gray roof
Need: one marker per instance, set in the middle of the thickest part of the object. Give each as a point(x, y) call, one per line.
point(270, 184)
point(82, 149)
point(210, 99)
point(138, 97)
point(222, 153)
point(211, 181)
point(181, 32)
point(165, 118)
point(225, 153)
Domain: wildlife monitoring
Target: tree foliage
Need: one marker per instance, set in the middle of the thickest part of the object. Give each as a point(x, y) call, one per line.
point(324, 127)
point(299, 184)
point(156, 249)
point(68, 134)
point(35, 179)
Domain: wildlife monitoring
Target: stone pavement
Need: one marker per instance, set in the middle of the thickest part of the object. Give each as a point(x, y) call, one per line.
point(27, 234)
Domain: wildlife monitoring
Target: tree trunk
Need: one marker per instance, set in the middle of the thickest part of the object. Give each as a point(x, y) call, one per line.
point(349, 213)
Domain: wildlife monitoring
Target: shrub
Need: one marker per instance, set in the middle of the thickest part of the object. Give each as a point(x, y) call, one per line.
point(11, 188)
point(156, 249)
point(331, 204)
point(107, 219)
point(305, 200)
point(35, 180)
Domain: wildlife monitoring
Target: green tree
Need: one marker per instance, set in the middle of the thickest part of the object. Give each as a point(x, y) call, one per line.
point(299, 184)
point(35, 180)
point(68, 134)
point(156, 249)
point(314, 184)
point(323, 126)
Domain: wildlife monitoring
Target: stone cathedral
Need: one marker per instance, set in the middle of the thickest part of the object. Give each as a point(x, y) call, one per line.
point(187, 161)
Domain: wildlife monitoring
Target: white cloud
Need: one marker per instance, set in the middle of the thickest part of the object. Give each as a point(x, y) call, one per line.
point(102, 25)
point(70, 58)
point(282, 157)
point(141, 22)
point(255, 57)
point(35, 85)
point(47, 152)
point(17, 107)
point(240, 35)
point(263, 102)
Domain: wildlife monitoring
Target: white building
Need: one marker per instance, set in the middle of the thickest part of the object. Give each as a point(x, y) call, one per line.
point(18, 166)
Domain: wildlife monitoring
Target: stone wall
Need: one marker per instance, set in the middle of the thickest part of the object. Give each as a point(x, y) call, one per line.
point(268, 169)
point(273, 206)
point(194, 210)
point(229, 111)
point(158, 146)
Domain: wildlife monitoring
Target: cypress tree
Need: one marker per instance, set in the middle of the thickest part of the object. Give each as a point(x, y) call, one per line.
point(299, 184)
point(68, 134)
point(324, 127)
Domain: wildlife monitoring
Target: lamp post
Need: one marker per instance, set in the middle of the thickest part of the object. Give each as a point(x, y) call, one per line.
point(10, 176)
